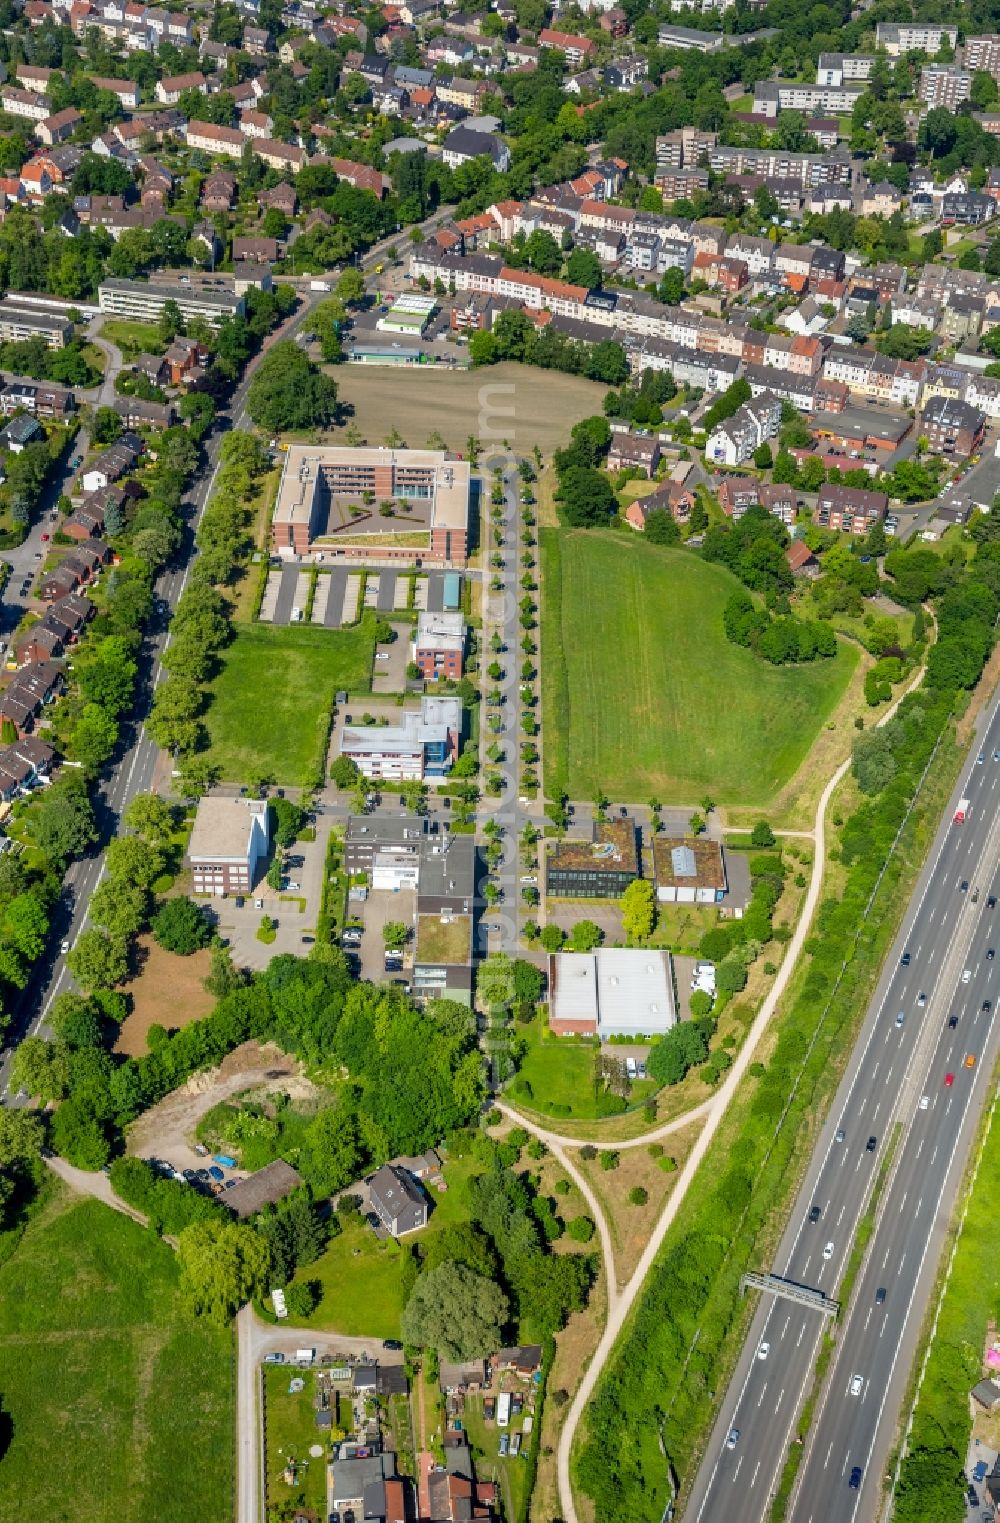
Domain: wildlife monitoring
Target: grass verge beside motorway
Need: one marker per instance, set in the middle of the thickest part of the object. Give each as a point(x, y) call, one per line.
point(644, 694)
point(685, 1334)
point(930, 1482)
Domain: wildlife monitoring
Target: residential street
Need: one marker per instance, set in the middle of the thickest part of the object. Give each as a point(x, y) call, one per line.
point(134, 770)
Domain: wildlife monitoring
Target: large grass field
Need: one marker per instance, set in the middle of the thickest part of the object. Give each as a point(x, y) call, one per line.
point(518, 403)
point(360, 1276)
point(270, 704)
point(120, 1403)
point(643, 694)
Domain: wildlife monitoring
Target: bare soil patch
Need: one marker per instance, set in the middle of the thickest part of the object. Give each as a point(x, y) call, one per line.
point(167, 1130)
point(168, 991)
point(525, 406)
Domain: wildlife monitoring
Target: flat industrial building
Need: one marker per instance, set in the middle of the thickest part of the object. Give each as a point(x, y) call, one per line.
point(614, 991)
point(330, 500)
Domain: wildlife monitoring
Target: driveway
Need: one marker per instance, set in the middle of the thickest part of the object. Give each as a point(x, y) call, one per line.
point(381, 906)
point(254, 1340)
point(294, 911)
point(389, 676)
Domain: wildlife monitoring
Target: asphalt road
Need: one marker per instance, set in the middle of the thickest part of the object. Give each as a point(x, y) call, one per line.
point(134, 770)
point(947, 933)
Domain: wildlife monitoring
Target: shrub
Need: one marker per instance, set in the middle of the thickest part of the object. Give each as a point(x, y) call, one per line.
point(609, 1159)
point(637, 1196)
point(580, 1229)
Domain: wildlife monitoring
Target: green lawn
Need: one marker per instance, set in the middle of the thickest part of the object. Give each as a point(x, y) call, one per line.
point(270, 705)
point(642, 692)
point(291, 1431)
point(132, 337)
point(120, 1403)
point(560, 1073)
point(360, 1276)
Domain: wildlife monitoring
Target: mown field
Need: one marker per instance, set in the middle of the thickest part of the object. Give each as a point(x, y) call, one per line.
point(642, 692)
point(523, 405)
point(269, 706)
point(120, 1403)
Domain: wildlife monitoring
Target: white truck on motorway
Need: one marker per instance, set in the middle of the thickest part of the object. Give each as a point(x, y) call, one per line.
point(961, 812)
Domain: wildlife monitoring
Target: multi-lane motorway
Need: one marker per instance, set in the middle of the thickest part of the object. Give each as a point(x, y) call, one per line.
point(920, 1071)
point(133, 772)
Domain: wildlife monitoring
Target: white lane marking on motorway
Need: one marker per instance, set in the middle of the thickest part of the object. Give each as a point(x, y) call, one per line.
point(935, 1152)
point(916, 1279)
point(755, 1470)
point(903, 1201)
point(777, 1404)
point(919, 1204)
point(920, 948)
point(920, 1149)
point(876, 1111)
point(737, 1470)
point(886, 1259)
point(868, 1318)
point(760, 1398)
point(840, 1218)
point(827, 1460)
point(847, 1457)
point(799, 1338)
point(785, 1328)
point(857, 1166)
point(948, 1106)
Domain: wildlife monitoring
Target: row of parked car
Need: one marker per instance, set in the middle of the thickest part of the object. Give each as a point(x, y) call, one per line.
point(211, 1179)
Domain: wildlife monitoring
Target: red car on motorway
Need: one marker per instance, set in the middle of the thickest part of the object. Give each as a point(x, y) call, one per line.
point(949, 1080)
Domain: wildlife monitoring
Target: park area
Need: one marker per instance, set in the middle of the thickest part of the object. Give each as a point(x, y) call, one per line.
point(644, 695)
point(517, 403)
point(269, 707)
point(119, 1402)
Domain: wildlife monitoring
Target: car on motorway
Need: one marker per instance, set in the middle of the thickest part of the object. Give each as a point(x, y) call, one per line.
point(900, 1017)
point(970, 1060)
point(991, 952)
point(991, 902)
point(964, 885)
point(952, 1022)
point(921, 999)
point(828, 1252)
point(733, 1439)
point(966, 975)
point(880, 1296)
point(949, 1080)
point(855, 1480)
point(925, 1101)
point(871, 1144)
point(841, 1134)
point(980, 758)
point(815, 1214)
point(987, 1006)
point(64, 946)
point(857, 1384)
point(763, 1351)
point(904, 961)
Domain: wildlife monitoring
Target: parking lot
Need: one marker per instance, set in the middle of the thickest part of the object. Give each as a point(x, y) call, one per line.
point(293, 910)
point(336, 597)
point(381, 906)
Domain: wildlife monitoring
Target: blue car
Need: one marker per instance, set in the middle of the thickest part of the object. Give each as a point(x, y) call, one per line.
point(216, 1172)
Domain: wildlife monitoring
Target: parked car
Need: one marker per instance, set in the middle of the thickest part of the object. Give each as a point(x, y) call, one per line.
point(274, 1358)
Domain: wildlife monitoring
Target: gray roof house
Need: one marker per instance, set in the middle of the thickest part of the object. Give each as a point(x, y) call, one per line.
point(397, 1200)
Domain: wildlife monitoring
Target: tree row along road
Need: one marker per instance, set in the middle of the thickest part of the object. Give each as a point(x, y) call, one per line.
point(134, 770)
point(620, 1302)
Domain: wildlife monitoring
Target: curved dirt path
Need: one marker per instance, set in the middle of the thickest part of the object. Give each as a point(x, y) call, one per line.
point(620, 1304)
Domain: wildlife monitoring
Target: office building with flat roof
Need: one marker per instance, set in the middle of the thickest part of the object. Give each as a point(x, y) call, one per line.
point(333, 500)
